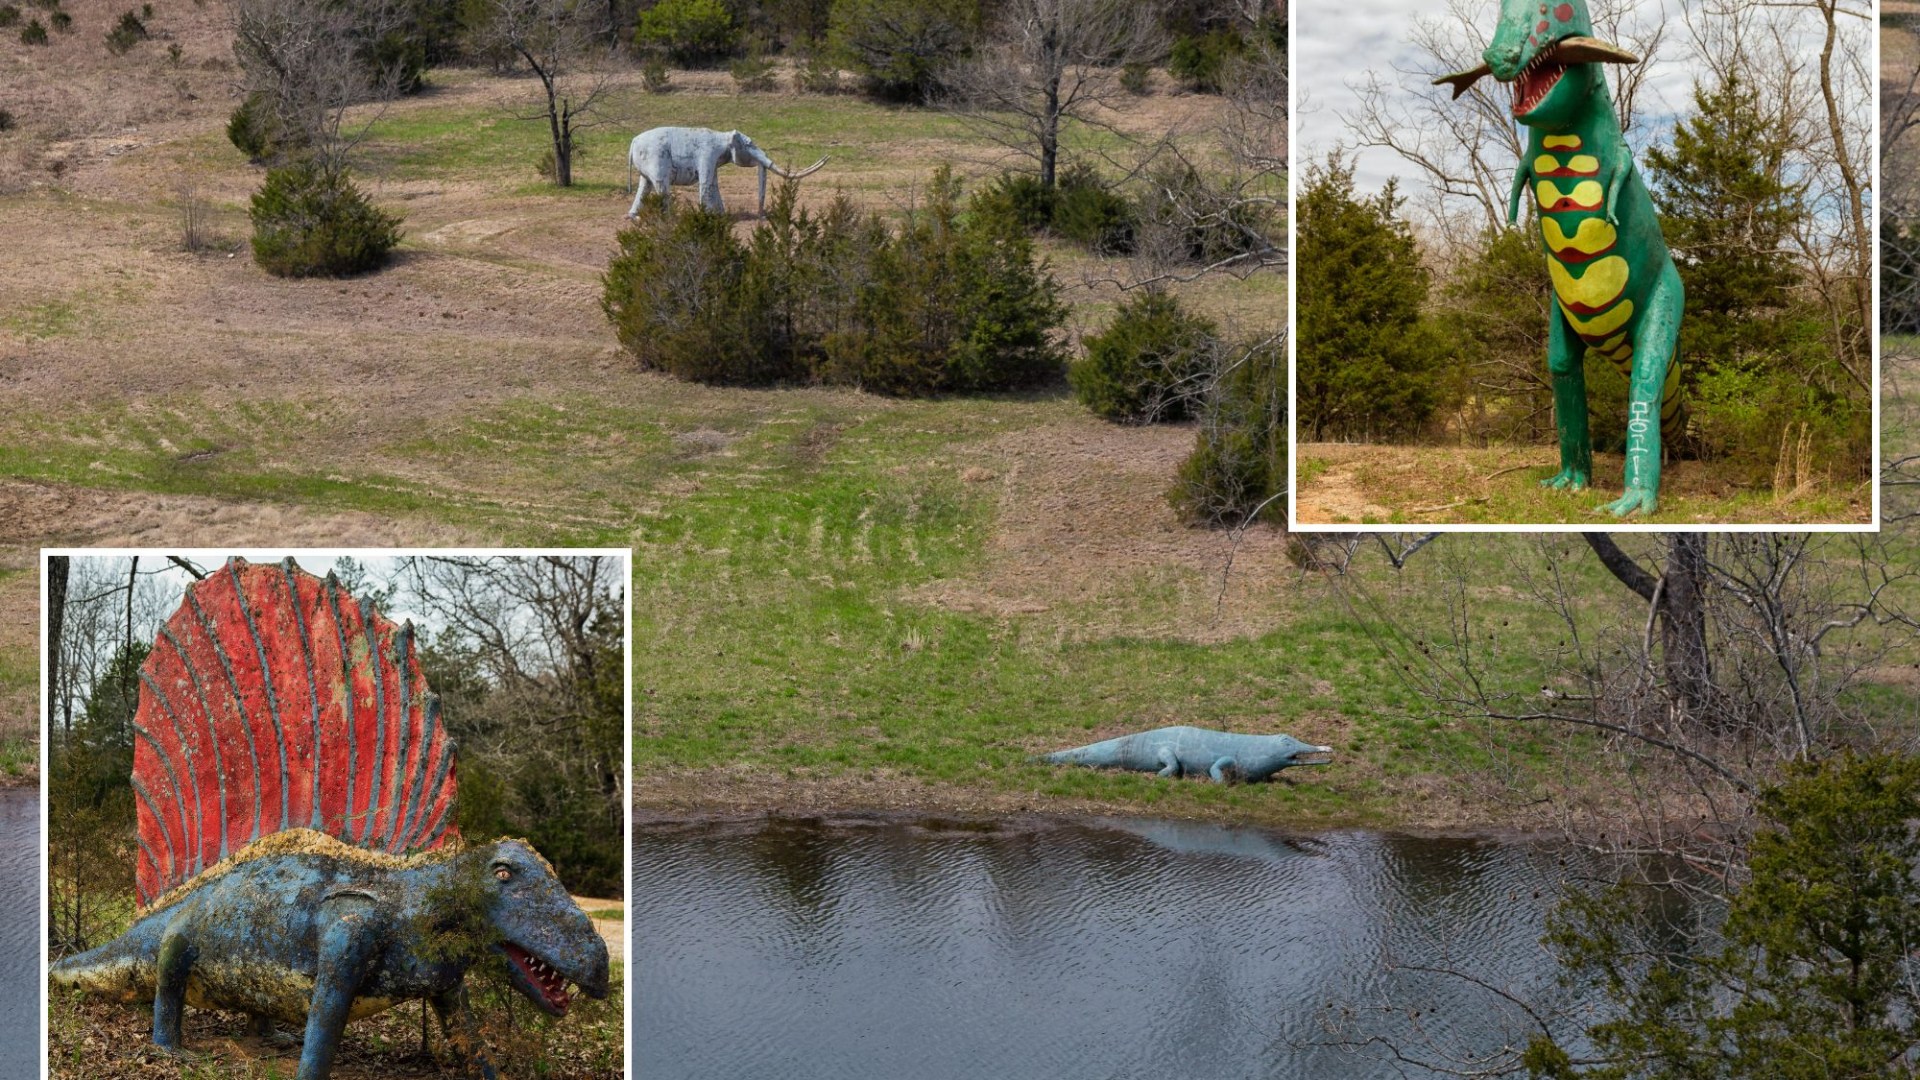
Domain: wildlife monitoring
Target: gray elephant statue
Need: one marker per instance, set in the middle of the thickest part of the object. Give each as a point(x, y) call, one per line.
point(667, 156)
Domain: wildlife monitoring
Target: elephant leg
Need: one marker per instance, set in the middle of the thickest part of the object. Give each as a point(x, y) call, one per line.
point(1655, 342)
point(1565, 356)
point(1169, 764)
point(1221, 768)
point(710, 190)
point(639, 193)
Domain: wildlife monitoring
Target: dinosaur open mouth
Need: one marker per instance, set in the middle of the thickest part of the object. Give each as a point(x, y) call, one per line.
point(550, 985)
point(1536, 80)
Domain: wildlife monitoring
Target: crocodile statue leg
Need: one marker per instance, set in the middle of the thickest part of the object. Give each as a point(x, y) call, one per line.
point(1654, 343)
point(355, 931)
point(1220, 768)
point(1566, 355)
point(456, 1023)
point(170, 988)
point(1169, 762)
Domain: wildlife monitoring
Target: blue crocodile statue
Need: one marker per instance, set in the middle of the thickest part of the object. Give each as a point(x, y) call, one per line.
point(1177, 751)
point(302, 928)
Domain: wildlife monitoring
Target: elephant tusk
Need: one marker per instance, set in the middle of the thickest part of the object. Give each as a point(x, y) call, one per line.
point(803, 173)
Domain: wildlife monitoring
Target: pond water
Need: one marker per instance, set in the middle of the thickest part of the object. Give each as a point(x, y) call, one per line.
point(20, 947)
point(1103, 950)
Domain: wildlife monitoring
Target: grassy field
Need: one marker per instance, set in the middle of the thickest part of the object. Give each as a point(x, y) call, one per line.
point(841, 601)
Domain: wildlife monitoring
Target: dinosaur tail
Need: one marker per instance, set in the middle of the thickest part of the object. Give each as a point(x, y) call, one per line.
point(271, 701)
point(121, 968)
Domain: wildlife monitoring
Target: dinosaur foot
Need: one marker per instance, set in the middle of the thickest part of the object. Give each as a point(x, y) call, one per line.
point(1569, 479)
point(1636, 499)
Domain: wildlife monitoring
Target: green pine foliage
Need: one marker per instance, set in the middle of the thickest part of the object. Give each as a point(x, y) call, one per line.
point(944, 304)
point(1152, 363)
point(1812, 973)
point(1369, 365)
point(1727, 210)
point(34, 33)
point(127, 33)
point(899, 48)
point(1765, 393)
point(1501, 300)
point(309, 221)
point(256, 131)
point(1237, 471)
point(693, 33)
point(1202, 62)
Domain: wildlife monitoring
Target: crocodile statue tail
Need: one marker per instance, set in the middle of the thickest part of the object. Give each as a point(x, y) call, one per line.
point(274, 700)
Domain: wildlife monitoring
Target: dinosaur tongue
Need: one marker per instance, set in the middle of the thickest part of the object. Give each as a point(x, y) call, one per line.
point(552, 984)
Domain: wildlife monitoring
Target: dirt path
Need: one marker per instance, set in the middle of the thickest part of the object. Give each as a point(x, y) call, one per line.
point(612, 931)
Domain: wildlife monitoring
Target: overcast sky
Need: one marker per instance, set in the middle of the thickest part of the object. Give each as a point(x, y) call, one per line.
point(1336, 41)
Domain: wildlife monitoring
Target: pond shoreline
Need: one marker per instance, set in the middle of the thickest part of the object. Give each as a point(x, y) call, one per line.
point(937, 817)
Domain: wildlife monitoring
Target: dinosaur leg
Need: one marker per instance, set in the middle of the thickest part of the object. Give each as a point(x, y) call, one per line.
point(351, 938)
point(172, 967)
point(262, 1026)
point(1654, 342)
point(1169, 764)
point(456, 1022)
point(1220, 770)
point(1565, 352)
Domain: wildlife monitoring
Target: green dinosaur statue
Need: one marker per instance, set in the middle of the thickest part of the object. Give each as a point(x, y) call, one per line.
point(1617, 288)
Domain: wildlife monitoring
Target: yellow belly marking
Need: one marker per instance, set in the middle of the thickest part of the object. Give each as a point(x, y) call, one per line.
point(1561, 142)
point(1585, 195)
point(1602, 324)
point(1592, 237)
point(1601, 285)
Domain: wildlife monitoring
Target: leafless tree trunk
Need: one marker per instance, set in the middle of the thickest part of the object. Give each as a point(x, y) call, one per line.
point(1050, 65)
point(58, 567)
point(560, 42)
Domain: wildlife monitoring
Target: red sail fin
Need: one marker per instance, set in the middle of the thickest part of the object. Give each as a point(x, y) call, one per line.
point(274, 700)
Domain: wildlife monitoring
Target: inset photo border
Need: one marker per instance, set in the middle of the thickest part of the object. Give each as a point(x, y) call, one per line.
point(362, 804)
point(1437, 350)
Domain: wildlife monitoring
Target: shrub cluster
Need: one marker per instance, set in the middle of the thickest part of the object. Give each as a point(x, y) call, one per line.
point(9, 15)
point(943, 304)
point(310, 221)
point(693, 33)
point(899, 48)
point(127, 33)
point(34, 33)
point(1238, 467)
point(256, 131)
point(1201, 62)
point(1080, 207)
point(1177, 213)
point(1153, 362)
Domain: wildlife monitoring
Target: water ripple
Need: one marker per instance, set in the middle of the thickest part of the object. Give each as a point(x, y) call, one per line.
point(1109, 951)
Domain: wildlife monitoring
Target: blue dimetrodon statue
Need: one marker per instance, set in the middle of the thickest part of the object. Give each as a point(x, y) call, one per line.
point(1179, 751)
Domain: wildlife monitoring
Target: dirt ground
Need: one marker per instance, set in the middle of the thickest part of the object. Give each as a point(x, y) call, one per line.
point(1358, 483)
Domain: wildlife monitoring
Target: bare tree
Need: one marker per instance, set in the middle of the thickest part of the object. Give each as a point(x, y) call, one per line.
point(560, 42)
point(1051, 64)
point(313, 60)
